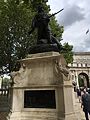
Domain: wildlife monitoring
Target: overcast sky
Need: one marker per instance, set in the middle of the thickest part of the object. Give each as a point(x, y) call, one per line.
point(76, 21)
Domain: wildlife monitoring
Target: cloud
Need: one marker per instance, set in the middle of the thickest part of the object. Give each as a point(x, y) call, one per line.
point(76, 35)
point(71, 15)
point(76, 21)
point(88, 18)
point(87, 42)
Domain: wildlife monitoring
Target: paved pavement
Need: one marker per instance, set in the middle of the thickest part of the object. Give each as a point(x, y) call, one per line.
point(78, 110)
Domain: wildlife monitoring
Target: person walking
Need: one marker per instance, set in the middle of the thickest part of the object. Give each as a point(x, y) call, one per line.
point(86, 103)
point(79, 94)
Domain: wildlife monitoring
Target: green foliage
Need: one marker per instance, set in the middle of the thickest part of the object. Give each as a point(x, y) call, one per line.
point(67, 52)
point(81, 81)
point(55, 28)
point(34, 4)
point(14, 39)
point(15, 22)
point(5, 82)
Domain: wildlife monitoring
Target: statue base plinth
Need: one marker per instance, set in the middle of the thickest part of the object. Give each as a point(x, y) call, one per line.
point(39, 48)
point(42, 91)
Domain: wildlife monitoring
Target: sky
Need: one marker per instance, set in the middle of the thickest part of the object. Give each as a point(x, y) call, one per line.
point(76, 21)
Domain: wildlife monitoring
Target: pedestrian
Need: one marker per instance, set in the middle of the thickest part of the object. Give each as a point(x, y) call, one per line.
point(79, 94)
point(86, 103)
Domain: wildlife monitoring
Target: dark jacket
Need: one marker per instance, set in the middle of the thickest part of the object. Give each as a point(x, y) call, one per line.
point(78, 92)
point(86, 102)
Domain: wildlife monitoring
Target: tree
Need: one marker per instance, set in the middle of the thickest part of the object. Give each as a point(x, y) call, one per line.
point(81, 81)
point(56, 28)
point(15, 22)
point(14, 25)
point(67, 52)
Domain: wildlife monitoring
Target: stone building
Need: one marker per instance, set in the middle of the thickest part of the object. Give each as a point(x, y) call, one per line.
point(80, 69)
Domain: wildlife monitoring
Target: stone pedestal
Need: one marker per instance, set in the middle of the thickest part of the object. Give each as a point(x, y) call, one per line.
point(42, 72)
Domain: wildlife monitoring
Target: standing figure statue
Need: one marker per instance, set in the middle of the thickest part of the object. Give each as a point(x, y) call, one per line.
point(41, 22)
point(44, 35)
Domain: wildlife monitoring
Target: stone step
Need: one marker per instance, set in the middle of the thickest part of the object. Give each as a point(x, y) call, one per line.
point(27, 116)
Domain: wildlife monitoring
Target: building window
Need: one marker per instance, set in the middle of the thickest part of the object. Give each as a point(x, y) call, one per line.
point(77, 64)
point(81, 65)
point(85, 64)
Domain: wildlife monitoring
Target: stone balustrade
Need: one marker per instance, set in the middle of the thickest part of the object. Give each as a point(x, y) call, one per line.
point(4, 92)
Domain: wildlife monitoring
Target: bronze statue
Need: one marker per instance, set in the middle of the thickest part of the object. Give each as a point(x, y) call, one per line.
point(41, 23)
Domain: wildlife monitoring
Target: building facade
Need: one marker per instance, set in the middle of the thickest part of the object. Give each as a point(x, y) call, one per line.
point(80, 69)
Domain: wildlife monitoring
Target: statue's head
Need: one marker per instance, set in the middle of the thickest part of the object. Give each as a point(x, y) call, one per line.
point(40, 8)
